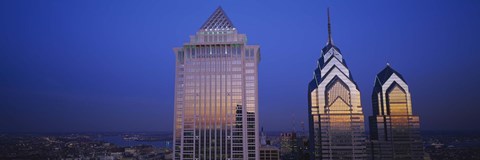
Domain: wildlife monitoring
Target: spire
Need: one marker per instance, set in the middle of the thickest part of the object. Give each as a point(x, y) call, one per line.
point(329, 44)
point(263, 138)
point(329, 27)
point(218, 21)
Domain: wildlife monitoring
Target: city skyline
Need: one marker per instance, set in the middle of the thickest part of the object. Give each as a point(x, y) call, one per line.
point(63, 68)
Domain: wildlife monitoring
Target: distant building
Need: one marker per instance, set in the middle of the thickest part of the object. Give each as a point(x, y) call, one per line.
point(287, 144)
point(268, 152)
point(263, 138)
point(303, 152)
point(216, 94)
point(293, 147)
point(394, 130)
point(336, 120)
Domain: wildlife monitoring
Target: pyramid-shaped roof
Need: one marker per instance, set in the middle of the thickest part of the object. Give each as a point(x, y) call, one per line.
point(383, 76)
point(218, 20)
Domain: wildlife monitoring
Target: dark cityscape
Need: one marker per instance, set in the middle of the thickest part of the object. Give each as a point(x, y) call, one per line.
point(439, 145)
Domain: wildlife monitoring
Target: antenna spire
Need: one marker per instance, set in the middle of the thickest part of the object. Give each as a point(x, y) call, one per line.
point(329, 27)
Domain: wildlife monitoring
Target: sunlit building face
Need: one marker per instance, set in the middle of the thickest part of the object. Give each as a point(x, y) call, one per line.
point(335, 112)
point(216, 94)
point(397, 101)
point(394, 130)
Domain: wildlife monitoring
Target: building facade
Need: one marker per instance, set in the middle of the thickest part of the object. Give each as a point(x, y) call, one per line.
point(287, 144)
point(216, 94)
point(336, 120)
point(268, 152)
point(394, 130)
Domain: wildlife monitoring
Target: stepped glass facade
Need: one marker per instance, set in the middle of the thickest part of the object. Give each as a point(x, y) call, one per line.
point(394, 130)
point(336, 120)
point(216, 94)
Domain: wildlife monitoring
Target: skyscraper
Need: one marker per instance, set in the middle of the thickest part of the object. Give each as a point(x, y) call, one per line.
point(216, 94)
point(394, 130)
point(335, 113)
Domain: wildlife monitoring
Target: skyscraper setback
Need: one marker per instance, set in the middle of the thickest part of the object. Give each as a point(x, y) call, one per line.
point(216, 94)
point(394, 130)
point(336, 121)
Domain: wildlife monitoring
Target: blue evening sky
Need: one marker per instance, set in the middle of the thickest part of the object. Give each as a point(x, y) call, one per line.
point(109, 66)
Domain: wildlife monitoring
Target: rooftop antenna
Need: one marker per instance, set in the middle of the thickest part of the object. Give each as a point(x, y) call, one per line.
point(303, 128)
point(330, 41)
point(293, 122)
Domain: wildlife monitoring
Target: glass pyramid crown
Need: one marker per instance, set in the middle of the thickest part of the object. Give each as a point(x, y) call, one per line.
point(218, 21)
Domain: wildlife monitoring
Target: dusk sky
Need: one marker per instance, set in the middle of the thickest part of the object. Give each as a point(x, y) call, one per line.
point(109, 65)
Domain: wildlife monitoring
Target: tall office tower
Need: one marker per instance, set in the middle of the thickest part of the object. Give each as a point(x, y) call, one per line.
point(335, 113)
point(394, 130)
point(216, 94)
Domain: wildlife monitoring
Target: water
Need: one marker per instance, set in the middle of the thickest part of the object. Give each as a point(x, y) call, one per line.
point(119, 141)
